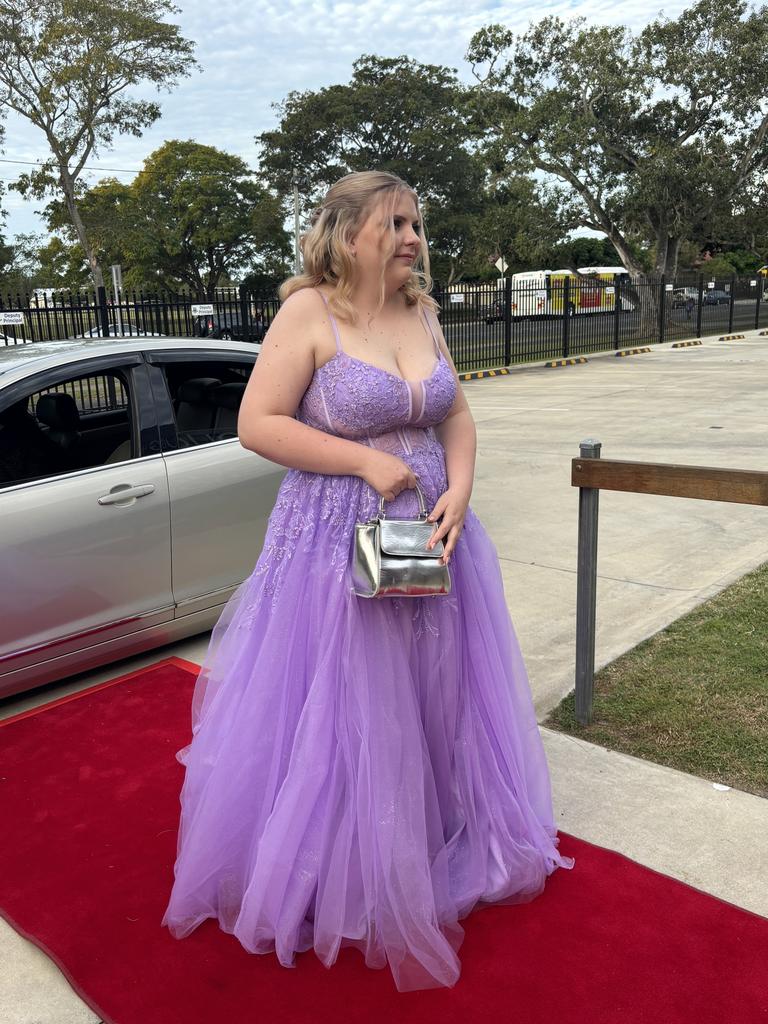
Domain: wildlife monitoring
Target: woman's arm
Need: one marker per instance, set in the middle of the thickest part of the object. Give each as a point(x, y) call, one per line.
point(266, 421)
point(280, 376)
point(457, 432)
point(458, 435)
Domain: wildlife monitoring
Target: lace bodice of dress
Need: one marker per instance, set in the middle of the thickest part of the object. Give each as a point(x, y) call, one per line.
point(357, 400)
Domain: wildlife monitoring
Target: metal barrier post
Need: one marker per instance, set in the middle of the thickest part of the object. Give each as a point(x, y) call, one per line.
point(730, 304)
point(507, 321)
point(586, 590)
point(616, 310)
point(699, 305)
point(103, 310)
point(566, 317)
point(245, 315)
point(662, 305)
point(759, 299)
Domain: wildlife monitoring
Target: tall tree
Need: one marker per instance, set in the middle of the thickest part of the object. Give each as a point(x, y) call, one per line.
point(396, 115)
point(108, 213)
point(198, 216)
point(649, 133)
point(66, 66)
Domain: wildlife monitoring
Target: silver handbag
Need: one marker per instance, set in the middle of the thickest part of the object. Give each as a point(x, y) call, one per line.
point(391, 557)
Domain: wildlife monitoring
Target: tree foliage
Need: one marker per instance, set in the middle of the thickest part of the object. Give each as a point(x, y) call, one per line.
point(417, 121)
point(67, 65)
point(653, 134)
point(192, 218)
point(199, 216)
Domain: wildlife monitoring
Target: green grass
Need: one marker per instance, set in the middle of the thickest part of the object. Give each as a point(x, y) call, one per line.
point(694, 696)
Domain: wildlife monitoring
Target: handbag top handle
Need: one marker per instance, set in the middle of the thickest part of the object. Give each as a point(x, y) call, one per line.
point(422, 504)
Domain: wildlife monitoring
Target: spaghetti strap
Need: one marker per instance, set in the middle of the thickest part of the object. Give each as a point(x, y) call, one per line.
point(431, 331)
point(333, 321)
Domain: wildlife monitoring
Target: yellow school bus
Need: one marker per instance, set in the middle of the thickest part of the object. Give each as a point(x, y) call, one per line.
point(590, 291)
point(540, 292)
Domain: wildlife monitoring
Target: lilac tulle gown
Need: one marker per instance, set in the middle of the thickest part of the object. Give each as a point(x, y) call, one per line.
point(362, 772)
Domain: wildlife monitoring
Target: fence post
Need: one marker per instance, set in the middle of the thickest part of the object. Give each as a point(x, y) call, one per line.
point(730, 304)
point(507, 321)
point(586, 590)
point(616, 310)
point(662, 305)
point(101, 298)
point(760, 282)
point(566, 316)
point(245, 313)
point(699, 305)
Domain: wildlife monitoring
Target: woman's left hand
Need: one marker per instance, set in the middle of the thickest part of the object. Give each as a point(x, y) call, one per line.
point(452, 507)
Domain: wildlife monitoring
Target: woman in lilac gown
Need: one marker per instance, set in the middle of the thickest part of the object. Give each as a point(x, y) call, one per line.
point(362, 772)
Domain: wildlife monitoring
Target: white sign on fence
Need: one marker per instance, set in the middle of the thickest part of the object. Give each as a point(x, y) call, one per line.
point(753, 284)
point(610, 290)
point(710, 284)
point(11, 318)
point(203, 309)
point(457, 296)
point(669, 287)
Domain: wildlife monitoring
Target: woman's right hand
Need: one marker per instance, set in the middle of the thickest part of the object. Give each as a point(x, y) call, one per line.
point(387, 474)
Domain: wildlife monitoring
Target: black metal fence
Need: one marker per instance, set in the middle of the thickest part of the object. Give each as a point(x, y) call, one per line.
point(234, 313)
point(546, 317)
point(558, 316)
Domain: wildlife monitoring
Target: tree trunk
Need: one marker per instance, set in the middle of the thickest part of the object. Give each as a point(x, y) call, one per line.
point(667, 253)
point(673, 251)
point(627, 258)
point(68, 187)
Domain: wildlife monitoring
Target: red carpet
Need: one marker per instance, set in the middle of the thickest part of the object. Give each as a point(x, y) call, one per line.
point(89, 792)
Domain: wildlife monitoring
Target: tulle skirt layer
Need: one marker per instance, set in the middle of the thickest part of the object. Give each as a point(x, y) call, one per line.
point(362, 772)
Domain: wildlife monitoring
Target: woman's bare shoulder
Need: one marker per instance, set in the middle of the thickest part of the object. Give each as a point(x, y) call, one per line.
point(301, 317)
point(304, 303)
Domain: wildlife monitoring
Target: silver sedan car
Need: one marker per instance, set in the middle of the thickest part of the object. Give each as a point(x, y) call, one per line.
point(129, 510)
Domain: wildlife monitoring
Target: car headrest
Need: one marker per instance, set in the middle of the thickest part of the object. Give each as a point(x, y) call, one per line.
point(228, 396)
point(195, 389)
point(58, 411)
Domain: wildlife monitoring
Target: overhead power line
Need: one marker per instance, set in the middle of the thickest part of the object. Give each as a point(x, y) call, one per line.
point(88, 167)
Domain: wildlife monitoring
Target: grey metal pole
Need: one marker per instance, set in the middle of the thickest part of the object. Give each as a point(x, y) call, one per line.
point(586, 590)
point(296, 249)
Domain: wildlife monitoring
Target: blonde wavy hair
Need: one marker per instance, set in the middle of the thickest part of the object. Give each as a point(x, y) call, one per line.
point(325, 245)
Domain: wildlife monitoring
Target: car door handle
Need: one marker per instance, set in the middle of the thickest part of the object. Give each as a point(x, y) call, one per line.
point(126, 493)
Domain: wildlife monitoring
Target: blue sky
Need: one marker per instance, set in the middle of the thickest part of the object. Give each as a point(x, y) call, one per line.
point(254, 52)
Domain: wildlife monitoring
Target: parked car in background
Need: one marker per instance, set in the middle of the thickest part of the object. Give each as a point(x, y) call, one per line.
point(129, 510)
point(228, 327)
point(494, 311)
point(684, 296)
point(715, 297)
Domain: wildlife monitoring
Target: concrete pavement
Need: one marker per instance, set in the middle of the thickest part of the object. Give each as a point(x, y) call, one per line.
point(658, 558)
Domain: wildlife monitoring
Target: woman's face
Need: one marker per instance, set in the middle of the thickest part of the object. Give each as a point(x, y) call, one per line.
point(368, 245)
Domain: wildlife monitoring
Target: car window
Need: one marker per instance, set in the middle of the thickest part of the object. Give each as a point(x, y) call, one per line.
point(205, 395)
point(77, 423)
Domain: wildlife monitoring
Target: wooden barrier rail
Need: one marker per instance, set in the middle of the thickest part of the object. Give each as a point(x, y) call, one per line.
point(591, 474)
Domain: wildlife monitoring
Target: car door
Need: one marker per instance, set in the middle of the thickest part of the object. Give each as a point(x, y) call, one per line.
point(85, 555)
point(221, 494)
